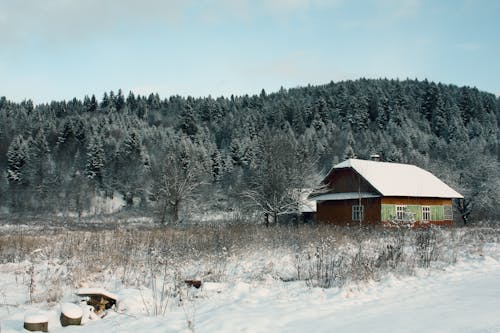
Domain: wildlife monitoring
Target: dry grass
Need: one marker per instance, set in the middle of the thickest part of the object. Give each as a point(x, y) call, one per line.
point(324, 256)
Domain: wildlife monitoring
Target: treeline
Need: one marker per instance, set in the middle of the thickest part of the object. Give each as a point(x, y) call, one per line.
point(179, 155)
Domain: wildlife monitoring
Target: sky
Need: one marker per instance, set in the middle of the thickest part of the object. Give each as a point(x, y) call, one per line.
point(60, 49)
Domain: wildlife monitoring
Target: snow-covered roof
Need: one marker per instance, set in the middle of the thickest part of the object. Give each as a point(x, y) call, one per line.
point(307, 205)
point(343, 196)
point(395, 179)
point(96, 291)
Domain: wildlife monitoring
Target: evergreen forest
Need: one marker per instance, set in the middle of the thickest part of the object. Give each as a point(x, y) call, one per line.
point(172, 158)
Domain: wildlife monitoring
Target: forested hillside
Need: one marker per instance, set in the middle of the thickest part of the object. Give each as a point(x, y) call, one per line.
point(169, 157)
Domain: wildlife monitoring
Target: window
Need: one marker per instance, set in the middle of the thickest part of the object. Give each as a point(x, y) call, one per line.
point(400, 212)
point(358, 212)
point(426, 213)
point(448, 213)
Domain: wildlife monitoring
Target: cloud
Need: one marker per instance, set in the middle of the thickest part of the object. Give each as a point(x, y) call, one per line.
point(469, 47)
point(220, 10)
point(24, 21)
point(216, 11)
point(402, 8)
point(298, 5)
point(350, 24)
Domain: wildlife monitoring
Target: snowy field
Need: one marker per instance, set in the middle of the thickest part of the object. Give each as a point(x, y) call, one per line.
point(259, 280)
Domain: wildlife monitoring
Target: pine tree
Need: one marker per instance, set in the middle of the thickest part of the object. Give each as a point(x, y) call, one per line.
point(188, 122)
point(94, 167)
point(424, 123)
point(131, 101)
point(17, 158)
point(131, 168)
point(41, 167)
point(322, 109)
point(349, 144)
point(119, 101)
point(105, 103)
point(431, 100)
point(439, 119)
point(17, 172)
point(90, 104)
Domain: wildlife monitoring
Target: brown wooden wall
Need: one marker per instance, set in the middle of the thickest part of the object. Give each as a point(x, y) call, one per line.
point(347, 180)
point(416, 201)
point(340, 211)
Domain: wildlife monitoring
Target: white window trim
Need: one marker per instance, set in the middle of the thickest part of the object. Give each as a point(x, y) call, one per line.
point(358, 212)
point(426, 210)
point(400, 212)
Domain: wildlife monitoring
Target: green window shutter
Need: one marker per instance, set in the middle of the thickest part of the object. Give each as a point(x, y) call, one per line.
point(388, 212)
point(416, 211)
point(437, 213)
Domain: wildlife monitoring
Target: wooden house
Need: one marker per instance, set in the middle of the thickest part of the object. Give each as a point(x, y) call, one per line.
point(371, 192)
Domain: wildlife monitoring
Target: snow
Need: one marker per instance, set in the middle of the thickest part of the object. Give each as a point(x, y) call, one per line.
point(395, 179)
point(100, 291)
point(100, 205)
point(35, 318)
point(462, 298)
point(307, 205)
point(460, 301)
point(214, 216)
point(255, 286)
point(71, 310)
point(104, 205)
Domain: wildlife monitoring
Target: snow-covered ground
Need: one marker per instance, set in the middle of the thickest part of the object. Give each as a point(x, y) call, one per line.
point(461, 298)
point(256, 279)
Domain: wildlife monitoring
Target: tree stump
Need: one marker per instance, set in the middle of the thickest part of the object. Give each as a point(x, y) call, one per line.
point(36, 323)
point(71, 314)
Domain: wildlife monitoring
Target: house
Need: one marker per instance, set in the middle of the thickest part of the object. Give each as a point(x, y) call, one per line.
point(372, 192)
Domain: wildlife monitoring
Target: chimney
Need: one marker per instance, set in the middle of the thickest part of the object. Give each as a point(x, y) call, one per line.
point(375, 157)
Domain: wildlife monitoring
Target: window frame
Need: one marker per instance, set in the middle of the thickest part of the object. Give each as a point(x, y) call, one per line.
point(400, 212)
point(426, 212)
point(358, 212)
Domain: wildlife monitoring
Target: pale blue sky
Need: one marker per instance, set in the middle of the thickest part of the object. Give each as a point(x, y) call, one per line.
point(60, 49)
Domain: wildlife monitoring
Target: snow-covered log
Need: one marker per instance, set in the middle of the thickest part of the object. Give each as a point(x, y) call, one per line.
point(36, 322)
point(71, 314)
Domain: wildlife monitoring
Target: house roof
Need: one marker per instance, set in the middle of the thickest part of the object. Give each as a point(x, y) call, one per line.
point(343, 196)
point(307, 205)
point(395, 179)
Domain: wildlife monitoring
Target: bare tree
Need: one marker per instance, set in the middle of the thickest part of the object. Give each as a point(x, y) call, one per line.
point(183, 171)
point(282, 169)
point(464, 207)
